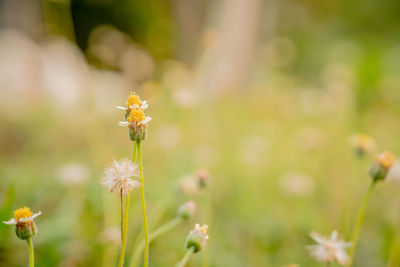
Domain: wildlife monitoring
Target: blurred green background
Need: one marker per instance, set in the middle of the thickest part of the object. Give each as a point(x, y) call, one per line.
point(263, 94)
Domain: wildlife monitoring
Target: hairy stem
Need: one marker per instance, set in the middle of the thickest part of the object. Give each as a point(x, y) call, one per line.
point(31, 252)
point(159, 231)
point(145, 224)
point(185, 259)
point(360, 219)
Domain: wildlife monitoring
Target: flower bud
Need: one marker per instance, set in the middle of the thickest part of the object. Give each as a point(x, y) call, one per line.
point(197, 238)
point(187, 210)
point(203, 177)
point(381, 166)
point(25, 230)
point(137, 133)
point(362, 144)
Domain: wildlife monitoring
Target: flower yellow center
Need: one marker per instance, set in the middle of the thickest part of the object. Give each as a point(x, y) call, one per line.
point(22, 213)
point(386, 159)
point(134, 99)
point(364, 141)
point(136, 115)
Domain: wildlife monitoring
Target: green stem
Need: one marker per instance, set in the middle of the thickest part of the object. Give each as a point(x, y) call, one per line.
point(134, 152)
point(360, 218)
point(31, 252)
point(124, 215)
point(125, 230)
point(185, 259)
point(159, 231)
point(145, 225)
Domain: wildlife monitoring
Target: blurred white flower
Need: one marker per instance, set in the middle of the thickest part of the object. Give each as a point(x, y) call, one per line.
point(254, 150)
point(111, 234)
point(119, 177)
point(189, 185)
point(296, 184)
point(394, 172)
point(169, 136)
point(186, 97)
point(329, 249)
point(205, 155)
point(73, 174)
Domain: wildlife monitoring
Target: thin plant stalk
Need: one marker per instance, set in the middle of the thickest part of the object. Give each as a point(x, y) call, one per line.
point(31, 252)
point(360, 219)
point(159, 231)
point(124, 216)
point(185, 259)
point(145, 224)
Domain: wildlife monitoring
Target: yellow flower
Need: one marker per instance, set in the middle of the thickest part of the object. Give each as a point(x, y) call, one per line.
point(133, 100)
point(386, 159)
point(363, 143)
point(22, 213)
point(136, 115)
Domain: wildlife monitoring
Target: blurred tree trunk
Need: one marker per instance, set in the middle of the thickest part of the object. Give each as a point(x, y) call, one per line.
point(228, 52)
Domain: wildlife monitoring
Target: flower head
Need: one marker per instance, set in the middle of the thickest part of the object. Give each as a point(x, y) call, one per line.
point(386, 159)
point(23, 219)
point(329, 249)
point(362, 144)
point(203, 177)
point(380, 168)
point(135, 118)
point(187, 210)
point(118, 177)
point(197, 238)
point(134, 101)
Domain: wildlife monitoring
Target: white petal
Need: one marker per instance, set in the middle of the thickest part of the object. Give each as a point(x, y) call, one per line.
point(121, 108)
point(134, 106)
point(11, 222)
point(123, 123)
point(317, 237)
point(342, 257)
point(334, 236)
point(36, 214)
point(144, 104)
point(145, 121)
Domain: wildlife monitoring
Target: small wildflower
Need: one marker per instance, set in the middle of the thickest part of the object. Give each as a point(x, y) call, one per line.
point(189, 185)
point(362, 144)
point(381, 166)
point(394, 172)
point(187, 210)
point(134, 102)
point(203, 177)
point(118, 177)
point(197, 238)
point(297, 184)
point(23, 218)
point(135, 118)
point(329, 249)
point(73, 174)
point(111, 234)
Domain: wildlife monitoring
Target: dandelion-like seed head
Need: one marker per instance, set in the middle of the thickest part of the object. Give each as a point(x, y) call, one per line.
point(197, 238)
point(329, 249)
point(119, 177)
